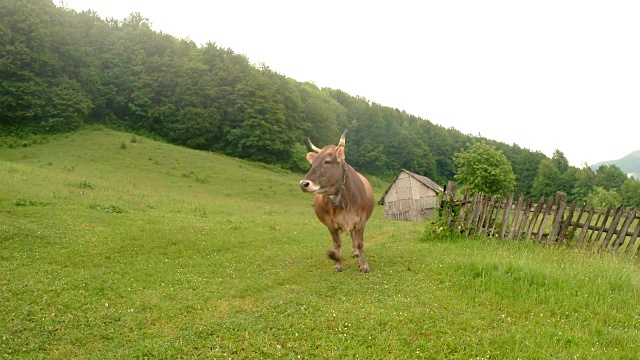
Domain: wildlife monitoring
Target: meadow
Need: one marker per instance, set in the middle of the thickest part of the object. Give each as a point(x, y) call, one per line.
point(118, 246)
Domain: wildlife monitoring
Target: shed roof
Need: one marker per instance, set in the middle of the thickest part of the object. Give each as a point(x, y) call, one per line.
point(422, 179)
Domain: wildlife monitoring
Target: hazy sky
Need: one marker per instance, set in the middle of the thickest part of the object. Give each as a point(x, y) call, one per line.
point(545, 75)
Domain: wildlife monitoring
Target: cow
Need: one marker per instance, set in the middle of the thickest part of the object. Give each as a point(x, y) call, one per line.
point(343, 199)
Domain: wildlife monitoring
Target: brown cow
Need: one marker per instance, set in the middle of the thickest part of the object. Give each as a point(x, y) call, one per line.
point(344, 199)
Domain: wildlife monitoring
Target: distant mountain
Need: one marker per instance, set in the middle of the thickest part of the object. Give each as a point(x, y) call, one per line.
point(629, 164)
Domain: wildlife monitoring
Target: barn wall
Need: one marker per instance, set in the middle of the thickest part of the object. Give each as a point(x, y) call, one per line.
point(410, 209)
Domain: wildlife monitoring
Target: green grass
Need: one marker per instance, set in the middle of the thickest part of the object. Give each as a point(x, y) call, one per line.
point(156, 251)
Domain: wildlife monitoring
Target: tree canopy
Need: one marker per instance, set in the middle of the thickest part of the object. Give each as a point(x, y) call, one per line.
point(483, 168)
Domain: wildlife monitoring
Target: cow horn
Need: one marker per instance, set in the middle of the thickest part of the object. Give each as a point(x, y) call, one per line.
point(313, 147)
point(342, 142)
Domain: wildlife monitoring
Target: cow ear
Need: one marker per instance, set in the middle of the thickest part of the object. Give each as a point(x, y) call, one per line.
point(340, 153)
point(311, 156)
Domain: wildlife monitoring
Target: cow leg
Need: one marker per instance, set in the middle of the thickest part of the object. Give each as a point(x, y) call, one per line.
point(358, 241)
point(335, 253)
point(355, 252)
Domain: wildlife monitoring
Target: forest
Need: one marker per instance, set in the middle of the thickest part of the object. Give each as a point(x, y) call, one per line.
point(61, 70)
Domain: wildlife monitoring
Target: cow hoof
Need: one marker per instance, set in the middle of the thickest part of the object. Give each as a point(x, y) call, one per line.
point(337, 269)
point(356, 255)
point(365, 269)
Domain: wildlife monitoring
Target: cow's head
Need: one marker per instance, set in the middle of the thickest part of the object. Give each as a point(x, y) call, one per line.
point(328, 169)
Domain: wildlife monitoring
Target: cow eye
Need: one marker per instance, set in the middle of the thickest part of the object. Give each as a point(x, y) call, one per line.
point(328, 161)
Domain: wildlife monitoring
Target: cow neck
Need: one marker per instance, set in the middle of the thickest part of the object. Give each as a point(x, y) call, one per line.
point(336, 199)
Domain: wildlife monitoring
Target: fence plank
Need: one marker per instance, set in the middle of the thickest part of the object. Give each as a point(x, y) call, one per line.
point(526, 211)
point(487, 216)
point(561, 204)
point(602, 227)
point(483, 213)
point(463, 210)
point(564, 225)
point(572, 233)
point(473, 213)
point(594, 231)
point(583, 233)
point(505, 216)
point(495, 217)
point(516, 217)
point(492, 219)
point(622, 235)
point(534, 218)
point(545, 216)
point(478, 212)
point(612, 227)
point(632, 241)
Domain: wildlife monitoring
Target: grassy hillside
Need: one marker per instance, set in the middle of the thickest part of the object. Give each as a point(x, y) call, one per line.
point(117, 249)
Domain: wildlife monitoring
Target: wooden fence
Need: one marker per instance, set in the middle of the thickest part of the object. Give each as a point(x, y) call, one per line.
point(552, 221)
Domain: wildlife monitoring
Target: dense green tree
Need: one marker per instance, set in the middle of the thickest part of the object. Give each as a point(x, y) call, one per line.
point(600, 197)
point(484, 168)
point(443, 143)
point(26, 61)
point(630, 192)
point(321, 112)
point(585, 181)
point(560, 161)
point(67, 106)
point(609, 177)
point(547, 181)
point(525, 165)
point(567, 183)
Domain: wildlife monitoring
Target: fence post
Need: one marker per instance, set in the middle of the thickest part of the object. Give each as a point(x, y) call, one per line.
point(448, 198)
point(459, 224)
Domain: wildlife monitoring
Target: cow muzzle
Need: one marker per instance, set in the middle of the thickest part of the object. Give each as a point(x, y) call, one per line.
point(308, 186)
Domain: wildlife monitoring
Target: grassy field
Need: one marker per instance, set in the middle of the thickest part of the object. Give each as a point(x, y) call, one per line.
point(117, 249)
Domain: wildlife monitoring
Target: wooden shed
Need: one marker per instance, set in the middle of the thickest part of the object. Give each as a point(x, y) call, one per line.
point(410, 197)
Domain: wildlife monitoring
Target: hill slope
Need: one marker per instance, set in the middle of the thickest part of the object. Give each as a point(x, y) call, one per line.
point(117, 249)
point(630, 164)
